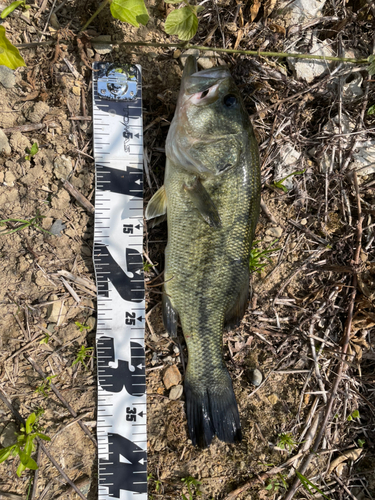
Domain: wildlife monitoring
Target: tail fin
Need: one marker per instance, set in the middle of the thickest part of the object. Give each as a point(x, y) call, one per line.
point(212, 411)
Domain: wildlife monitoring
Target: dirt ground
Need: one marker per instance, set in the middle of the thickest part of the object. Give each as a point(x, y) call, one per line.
point(316, 289)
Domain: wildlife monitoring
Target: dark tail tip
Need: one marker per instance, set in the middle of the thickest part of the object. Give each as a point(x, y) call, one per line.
point(212, 412)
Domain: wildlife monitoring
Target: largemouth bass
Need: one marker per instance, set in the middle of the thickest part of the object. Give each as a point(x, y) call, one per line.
point(211, 196)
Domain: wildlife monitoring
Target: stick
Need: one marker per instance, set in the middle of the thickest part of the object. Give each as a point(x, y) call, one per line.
point(342, 362)
point(79, 197)
point(30, 127)
point(62, 399)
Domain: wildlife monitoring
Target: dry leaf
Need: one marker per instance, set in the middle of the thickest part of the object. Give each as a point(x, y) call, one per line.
point(352, 454)
point(254, 9)
point(268, 7)
point(276, 28)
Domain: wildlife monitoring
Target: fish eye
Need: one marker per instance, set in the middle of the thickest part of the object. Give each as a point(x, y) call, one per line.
point(230, 100)
point(203, 94)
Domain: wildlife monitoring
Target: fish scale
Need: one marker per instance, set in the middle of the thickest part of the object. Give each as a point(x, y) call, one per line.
point(211, 195)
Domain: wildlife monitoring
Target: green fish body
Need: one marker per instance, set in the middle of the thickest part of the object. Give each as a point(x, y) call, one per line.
point(211, 195)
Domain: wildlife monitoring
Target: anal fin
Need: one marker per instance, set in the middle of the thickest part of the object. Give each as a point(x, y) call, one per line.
point(203, 203)
point(170, 316)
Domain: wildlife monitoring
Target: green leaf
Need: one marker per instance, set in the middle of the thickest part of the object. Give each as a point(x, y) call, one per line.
point(8, 10)
point(355, 414)
point(199, 8)
point(20, 469)
point(371, 110)
point(4, 453)
point(34, 149)
point(306, 483)
point(29, 446)
point(24, 457)
point(9, 54)
point(361, 442)
point(31, 464)
point(133, 12)
point(182, 22)
point(43, 436)
point(30, 422)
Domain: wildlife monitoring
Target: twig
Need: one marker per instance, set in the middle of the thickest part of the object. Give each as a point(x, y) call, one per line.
point(246, 52)
point(342, 362)
point(265, 209)
point(79, 197)
point(36, 475)
point(30, 127)
point(317, 370)
point(62, 399)
point(67, 479)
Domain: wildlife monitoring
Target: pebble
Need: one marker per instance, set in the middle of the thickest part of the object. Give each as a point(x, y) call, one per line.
point(176, 392)
point(303, 222)
point(37, 112)
point(273, 399)
point(176, 54)
point(57, 227)
point(62, 167)
point(171, 377)
point(76, 91)
point(187, 53)
point(207, 59)
point(8, 437)
point(101, 44)
point(4, 143)
point(256, 377)
point(7, 78)
point(53, 312)
point(275, 231)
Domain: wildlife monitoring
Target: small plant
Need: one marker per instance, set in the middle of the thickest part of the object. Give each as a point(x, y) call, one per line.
point(25, 444)
point(276, 484)
point(147, 266)
point(183, 22)
point(286, 441)
point(371, 110)
point(279, 184)
point(191, 484)
point(260, 258)
point(45, 339)
point(14, 5)
point(355, 414)
point(306, 483)
point(361, 443)
point(82, 354)
point(81, 327)
point(157, 482)
point(22, 224)
point(45, 386)
point(32, 151)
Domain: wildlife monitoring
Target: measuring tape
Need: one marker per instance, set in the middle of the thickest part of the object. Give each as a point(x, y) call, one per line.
point(118, 244)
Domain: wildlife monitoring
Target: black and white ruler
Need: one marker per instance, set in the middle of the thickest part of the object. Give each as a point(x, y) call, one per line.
point(118, 243)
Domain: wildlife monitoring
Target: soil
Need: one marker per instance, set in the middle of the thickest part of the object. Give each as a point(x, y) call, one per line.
point(301, 295)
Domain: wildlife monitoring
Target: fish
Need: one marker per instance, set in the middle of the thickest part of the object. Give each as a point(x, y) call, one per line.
point(210, 198)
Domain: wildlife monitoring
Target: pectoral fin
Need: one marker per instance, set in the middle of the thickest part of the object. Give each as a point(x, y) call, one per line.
point(203, 203)
point(157, 207)
point(170, 316)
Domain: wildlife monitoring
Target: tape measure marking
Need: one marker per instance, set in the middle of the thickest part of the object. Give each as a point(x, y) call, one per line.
point(118, 242)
